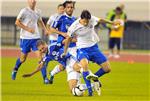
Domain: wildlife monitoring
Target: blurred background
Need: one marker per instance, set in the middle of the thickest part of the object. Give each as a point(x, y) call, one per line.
point(137, 31)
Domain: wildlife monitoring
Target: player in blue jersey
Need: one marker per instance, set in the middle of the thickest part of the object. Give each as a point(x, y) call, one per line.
point(54, 52)
point(28, 20)
point(87, 48)
point(60, 26)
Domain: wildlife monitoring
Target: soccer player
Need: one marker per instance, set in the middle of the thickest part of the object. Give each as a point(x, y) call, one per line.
point(54, 52)
point(28, 20)
point(60, 26)
point(87, 48)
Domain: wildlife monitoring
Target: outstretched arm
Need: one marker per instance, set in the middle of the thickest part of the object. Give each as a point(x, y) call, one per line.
point(40, 66)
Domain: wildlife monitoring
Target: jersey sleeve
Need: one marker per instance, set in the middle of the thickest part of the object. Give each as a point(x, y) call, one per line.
point(21, 15)
point(95, 20)
point(50, 21)
point(72, 30)
point(57, 22)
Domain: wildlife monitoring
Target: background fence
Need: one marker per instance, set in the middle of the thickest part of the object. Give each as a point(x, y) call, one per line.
point(137, 34)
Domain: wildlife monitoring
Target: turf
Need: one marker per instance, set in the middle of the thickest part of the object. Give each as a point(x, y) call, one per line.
point(126, 82)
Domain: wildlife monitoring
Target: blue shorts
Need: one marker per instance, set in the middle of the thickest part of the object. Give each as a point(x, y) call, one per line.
point(27, 44)
point(92, 54)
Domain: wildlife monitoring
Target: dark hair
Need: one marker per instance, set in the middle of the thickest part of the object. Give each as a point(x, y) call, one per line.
point(118, 9)
point(85, 14)
point(68, 2)
point(40, 42)
point(60, 5)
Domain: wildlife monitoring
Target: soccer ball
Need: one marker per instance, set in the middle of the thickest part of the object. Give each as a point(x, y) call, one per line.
point(78, 91)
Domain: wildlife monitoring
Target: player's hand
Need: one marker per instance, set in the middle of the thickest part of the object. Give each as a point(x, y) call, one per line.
point(64, 35)
point(63, 55)
point(31, 30)
point(47, 32)
point(26, 75)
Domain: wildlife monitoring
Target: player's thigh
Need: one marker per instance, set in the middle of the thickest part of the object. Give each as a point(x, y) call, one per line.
point(97, 56)
point(25, 46)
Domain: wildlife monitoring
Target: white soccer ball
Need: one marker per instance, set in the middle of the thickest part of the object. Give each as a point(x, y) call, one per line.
point(78, 91)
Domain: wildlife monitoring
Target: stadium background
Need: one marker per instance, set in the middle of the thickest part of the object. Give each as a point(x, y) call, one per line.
point(129, 79)
point(136, 35)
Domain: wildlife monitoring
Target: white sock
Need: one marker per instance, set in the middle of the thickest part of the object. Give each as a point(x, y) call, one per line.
point(85, 87)
point(55, 70)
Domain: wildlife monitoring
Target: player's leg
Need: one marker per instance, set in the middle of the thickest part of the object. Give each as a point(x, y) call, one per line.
point(25, 49)
point(58, 68)
point(111, 47)
point(98, 57)
point(39, 56)
point(118, 43)
point(85, 73)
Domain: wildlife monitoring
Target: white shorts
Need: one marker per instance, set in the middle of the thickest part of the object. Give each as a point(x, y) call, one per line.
point(71, 73)
point(73, 51)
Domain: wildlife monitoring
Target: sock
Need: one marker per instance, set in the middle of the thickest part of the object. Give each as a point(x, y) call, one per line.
point(18, 64)
point(88, 82)
point(55, 70)
point(43, 70)
point(85, 87)
point(100, 72)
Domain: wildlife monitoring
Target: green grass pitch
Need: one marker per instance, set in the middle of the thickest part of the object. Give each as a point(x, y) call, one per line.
point(126, 82)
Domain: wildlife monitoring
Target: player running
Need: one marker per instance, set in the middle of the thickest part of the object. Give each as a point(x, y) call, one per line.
point(87, 48)
point(28, 20)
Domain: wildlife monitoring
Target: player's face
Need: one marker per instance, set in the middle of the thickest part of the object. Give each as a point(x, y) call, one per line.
point(84, 22)
point(43, 48)
point(69, 9)
point(32, 3)
point(60, 9)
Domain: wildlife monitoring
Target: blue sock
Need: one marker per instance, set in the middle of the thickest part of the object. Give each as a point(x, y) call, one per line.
point(43, 70)
point(18, 64)
point(100, 72)
point(88, 82)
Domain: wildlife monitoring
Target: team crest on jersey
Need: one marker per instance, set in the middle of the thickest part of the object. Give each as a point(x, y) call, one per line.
point(54, 53)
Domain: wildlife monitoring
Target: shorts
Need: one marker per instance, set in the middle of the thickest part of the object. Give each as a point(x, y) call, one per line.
point(91, 54)
point(27, 45)
point(71, 73)
point(113, 42)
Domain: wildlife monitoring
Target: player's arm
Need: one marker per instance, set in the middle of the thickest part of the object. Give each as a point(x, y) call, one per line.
point(21, 25)
point(40, 66)
point(66, 45)
point(53, 30)
point(41, 23)
point(116, 23)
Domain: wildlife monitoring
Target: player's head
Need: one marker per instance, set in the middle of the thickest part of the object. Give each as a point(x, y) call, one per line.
point(60, 8)
point(42, 46)
point(85, 17)
point(118, 11)
point(32, 3)
point(69, 7)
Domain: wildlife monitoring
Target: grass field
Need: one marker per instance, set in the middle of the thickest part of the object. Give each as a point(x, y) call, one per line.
point(126, 82)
